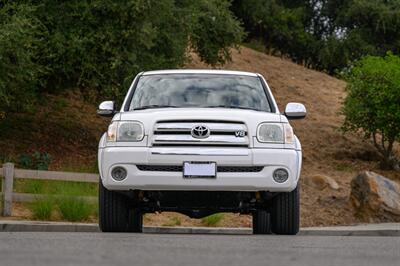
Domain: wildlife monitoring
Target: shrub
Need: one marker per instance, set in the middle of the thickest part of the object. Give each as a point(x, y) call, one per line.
point(36, 160)
point(42, 209)
point(212, 220)
point(373, 103)
point(74, 209)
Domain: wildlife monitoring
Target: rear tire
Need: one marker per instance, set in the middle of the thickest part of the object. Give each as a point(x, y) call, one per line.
point(115, 214)
point(261, 222)
point(285, 216)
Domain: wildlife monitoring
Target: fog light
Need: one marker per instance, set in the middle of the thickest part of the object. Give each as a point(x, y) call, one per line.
point(118, 173)
point(280, 175)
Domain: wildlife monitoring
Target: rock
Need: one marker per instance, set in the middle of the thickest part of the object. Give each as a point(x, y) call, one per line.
point(375, 196)
point(321, 181)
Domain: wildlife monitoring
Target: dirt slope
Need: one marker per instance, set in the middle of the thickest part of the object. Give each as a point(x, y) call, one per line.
point(326, 150)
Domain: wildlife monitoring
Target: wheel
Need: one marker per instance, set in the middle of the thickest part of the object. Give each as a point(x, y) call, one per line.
point(285, 215)
point(261, 222)
point(115, 214)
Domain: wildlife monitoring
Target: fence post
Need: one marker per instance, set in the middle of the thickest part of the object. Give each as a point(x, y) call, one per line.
point(8, 173)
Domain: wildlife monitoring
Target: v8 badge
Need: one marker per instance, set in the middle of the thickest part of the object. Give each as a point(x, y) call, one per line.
point(240, 133)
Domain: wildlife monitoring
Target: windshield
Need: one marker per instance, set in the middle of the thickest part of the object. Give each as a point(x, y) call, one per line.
point(199, 90)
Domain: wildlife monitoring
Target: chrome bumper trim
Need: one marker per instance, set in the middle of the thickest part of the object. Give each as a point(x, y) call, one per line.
point(208, 151)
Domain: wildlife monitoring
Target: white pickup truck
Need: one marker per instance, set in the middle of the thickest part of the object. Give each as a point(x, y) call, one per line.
point(200, 142)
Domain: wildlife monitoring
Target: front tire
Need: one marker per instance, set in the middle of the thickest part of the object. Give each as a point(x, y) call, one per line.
point(261, 222)
point(285, 216)
point(115, 214)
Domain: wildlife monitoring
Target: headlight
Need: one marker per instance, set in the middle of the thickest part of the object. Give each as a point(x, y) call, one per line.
point(125, 131)
point(275, 133)
point(130, 131)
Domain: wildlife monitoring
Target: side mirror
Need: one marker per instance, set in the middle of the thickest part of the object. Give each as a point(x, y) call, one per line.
point(106, 109)
point(295, 111)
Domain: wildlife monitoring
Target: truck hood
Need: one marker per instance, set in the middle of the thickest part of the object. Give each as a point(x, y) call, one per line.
point(149, 117)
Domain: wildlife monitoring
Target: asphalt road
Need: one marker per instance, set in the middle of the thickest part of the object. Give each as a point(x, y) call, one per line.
point(45, 248)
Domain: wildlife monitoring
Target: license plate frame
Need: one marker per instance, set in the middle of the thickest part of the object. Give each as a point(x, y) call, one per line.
point(199, 170)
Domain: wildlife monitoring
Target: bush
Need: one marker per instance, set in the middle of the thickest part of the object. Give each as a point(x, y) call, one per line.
point(373, 103)
point(36, 160)
point(62, 194)
point(74, 209)
point(42, 209)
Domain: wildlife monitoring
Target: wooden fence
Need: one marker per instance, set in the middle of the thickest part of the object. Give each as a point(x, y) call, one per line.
point(9, 173)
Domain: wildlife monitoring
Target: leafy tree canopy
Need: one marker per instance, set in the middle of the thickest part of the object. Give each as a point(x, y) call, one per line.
point(323, 34)
point(52, 45)
point(372, 103)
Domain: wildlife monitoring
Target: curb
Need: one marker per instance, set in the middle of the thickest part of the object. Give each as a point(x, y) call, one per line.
point(389, 229)
point(197, 230)
point(34, 226)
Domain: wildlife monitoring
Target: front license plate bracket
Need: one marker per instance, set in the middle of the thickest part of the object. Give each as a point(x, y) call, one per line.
point(199, 170)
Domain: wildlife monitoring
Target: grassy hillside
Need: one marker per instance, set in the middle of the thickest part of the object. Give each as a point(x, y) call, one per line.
point(64, 126)
point(67, 127)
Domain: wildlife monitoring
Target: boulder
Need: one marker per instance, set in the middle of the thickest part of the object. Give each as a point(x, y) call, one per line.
point(375, 196)
point(321, 181)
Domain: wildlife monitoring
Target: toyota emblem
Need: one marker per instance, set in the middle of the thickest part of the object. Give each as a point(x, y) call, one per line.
point(200, 132)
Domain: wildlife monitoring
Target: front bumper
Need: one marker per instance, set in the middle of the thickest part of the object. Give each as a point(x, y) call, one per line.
point(270, 159)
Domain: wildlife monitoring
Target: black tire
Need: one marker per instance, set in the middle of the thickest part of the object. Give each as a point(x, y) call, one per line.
point(261, 222)
point(115, 214)
point(285, 215)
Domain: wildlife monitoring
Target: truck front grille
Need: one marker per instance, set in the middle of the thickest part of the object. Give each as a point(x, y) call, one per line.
point(220, 169)
point(180, 133)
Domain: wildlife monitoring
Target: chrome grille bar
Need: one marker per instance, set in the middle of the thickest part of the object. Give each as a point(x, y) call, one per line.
point(213, 139)
point(179, 133)
point(214, 127)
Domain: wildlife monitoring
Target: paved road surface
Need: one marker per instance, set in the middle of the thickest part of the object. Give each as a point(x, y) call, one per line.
point(41, 248)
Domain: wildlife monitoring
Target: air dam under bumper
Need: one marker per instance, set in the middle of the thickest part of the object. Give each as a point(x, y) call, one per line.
point(129, 157)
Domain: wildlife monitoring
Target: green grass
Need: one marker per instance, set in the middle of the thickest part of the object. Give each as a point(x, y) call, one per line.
point(63, 197)
point(75, 209)
point(34, 186)
point(212, 220)
point(71, 207)
point(42, 209)
point(52, 187)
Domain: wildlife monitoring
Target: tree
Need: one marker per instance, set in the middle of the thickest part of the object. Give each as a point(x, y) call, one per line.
point(373, 103)
point(280, 25)
point(50, 46)
point(325, 35)
point(19, 41)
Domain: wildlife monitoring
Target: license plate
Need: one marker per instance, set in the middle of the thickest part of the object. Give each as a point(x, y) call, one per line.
point(199, 170)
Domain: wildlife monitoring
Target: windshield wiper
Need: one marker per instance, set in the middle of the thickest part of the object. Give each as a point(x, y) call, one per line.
point(154, 106)
point(230, 107)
